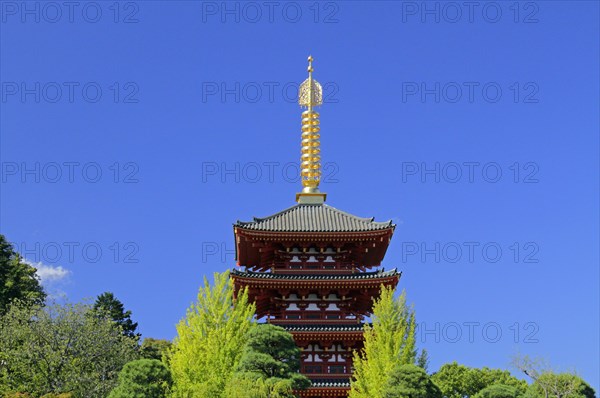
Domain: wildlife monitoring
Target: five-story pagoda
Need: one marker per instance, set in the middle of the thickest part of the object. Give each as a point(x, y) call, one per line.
point(309, 267)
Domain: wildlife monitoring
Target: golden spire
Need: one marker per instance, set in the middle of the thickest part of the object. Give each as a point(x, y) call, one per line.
point(310, 95)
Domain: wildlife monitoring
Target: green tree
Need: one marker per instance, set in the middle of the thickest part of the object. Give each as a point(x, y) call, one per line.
point(458, 381)
point(389, 343)
point(549, 384)
point(560, 385)
point(61, 349)
point(143, 378)
point(410, 381)
point(423, 360)
point(498, 391)
point(251, 385)
point(155, 348)
point(272, 356)
point(210, 340)
point(18, 280)
point(108, 305)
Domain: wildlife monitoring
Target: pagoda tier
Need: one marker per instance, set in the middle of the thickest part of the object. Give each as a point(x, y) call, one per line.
point(321, 298)
point(327, 350)
point(326, 388)
point(312, 237)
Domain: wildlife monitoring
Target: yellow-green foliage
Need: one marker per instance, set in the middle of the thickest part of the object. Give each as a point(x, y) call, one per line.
point(210, 340)
point(25, 395)
point(248, 387)
point(389, 343)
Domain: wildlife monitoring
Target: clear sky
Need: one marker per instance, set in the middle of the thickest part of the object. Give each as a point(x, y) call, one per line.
point(135, 133)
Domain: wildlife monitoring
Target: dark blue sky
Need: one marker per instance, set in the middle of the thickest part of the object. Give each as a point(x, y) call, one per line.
point(135, 133)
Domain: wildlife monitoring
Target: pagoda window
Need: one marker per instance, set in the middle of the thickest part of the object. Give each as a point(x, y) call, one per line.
point(333, 307)
point(312, 307)
point(332, 297)
point(293, 307)
point(332, 316)
point(293, 316)
point(313, 316)
point(313, 369)
point(312, 296)
point(337, 369)
point(329, 259)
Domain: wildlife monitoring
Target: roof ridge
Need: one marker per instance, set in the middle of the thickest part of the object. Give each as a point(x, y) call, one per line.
point(307, 217)
point(300, 276)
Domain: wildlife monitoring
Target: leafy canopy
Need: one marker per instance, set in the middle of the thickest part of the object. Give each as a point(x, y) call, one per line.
point(109, 306)
point(548, 383)
point(389, 343)
point(155, 348)
point(61, 349)
point(143, 378)
point(410, 381)
point(560, 385)
point(270, 355)
point(210, 340)
point(498, 391)
point(18, 280)
point(458, 381)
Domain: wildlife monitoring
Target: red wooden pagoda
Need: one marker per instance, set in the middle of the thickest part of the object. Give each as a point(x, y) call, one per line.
point(309, 268)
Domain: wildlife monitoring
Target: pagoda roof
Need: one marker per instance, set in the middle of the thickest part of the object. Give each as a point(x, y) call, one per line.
point(356, 327)
point(320, 383)
point(309, 277)
point(314, 218)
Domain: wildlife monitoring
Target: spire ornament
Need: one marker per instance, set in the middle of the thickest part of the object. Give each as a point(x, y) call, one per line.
point(310, 95)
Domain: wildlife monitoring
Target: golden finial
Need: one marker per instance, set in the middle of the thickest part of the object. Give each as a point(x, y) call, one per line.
point(310, 95)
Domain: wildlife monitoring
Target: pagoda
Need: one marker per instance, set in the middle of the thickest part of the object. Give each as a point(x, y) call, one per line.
point(311, 267)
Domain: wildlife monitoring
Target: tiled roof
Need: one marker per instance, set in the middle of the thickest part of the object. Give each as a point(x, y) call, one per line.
point(320, 383)
point(358, 275)
point(357, 327)
point(314, 218)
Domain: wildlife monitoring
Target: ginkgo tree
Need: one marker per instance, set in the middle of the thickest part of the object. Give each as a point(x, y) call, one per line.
point(389, 343)
point(210, 340)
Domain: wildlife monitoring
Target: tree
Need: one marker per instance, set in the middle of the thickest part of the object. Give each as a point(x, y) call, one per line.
point(410, 381)
point(560, 385)
point(270, 355)
point(18, 280)
point(458, 381)
point(108, 305)
point(423, 360)
point(210, 340)
point(548, 383)
point(498, 391)
point(143, 378)
point(61, 349)
point(389, 343)
point(247, 385)
point(155, 348)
